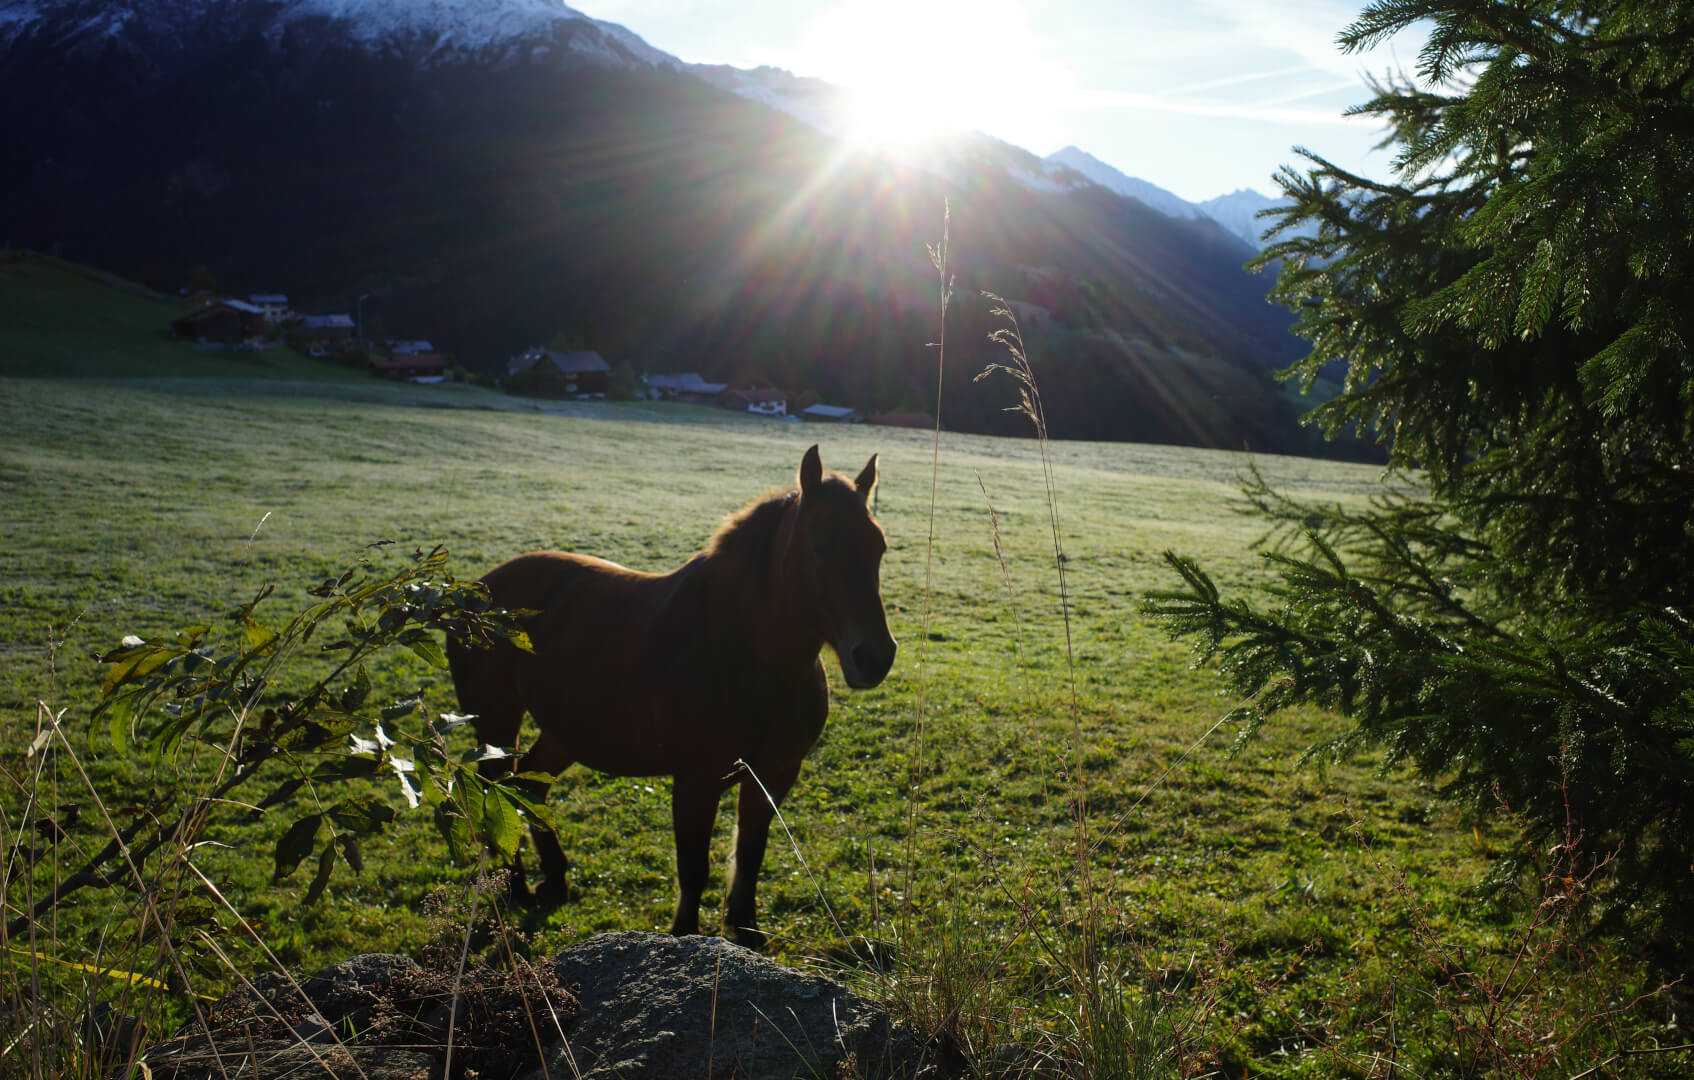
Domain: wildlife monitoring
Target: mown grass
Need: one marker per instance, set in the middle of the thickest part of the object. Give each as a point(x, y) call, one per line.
point(1294, 904)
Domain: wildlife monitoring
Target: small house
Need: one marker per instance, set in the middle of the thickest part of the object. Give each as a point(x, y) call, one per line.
point(410, 367)
point(321, 335)
point(830, 414)
point(761, 400)
point(686, 386)
point(581, 374)
point(274, 305)
point(228, 323)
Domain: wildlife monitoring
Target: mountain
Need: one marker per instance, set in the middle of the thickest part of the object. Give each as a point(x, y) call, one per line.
point(1098, 172)
point(1236, 212)
point(489, 175)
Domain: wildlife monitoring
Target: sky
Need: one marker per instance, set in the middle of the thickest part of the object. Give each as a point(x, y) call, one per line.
point(1201, 97)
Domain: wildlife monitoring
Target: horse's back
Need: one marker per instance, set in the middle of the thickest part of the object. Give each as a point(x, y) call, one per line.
point(603, 645)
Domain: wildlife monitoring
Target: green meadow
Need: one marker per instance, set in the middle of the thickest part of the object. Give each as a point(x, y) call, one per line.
point(1297, 915)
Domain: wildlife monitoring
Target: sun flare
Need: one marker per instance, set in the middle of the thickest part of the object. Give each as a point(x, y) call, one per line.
point(891, 117)
point(916, 69)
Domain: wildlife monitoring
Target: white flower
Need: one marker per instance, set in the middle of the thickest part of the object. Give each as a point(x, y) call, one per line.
point(130, 641)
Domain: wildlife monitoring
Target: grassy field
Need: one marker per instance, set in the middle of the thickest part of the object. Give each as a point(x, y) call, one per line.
point(1297, 910)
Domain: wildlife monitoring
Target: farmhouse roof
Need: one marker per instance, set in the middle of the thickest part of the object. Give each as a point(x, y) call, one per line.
point(407, 360)
point(581, 360)
point(571, 362)
point(213, 308)
point(324, 322)
point(268, 298)
point(688, 382)
point(399, 348)
point(827, 412)
point(755, 395)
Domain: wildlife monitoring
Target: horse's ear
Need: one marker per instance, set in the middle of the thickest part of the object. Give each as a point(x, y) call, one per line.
point(811, 472)
point(865, 482)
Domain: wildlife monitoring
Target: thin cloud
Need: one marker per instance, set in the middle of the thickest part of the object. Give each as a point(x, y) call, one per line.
point(1237, 80)
point(1126, 101)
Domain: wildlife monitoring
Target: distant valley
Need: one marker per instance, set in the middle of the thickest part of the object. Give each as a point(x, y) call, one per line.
point(526, 173)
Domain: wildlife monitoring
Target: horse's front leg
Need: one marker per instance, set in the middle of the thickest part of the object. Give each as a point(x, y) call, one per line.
point(694, 812)
point(753, 813)
point(549, 756)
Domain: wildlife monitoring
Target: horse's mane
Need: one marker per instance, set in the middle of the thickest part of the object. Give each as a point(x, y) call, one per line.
point(749, 534)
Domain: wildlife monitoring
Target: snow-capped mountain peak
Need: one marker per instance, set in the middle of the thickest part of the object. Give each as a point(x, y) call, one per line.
point(442, 26)
point(1238, 212)
point(1097, 171)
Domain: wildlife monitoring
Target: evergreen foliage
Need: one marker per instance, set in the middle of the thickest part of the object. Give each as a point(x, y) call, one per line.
point(1513, 312)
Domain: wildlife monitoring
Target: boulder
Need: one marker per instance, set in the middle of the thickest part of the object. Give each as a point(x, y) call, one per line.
point(652, 1005)
point(627, 1005)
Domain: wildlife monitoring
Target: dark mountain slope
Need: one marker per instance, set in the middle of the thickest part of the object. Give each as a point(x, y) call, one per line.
point(487, 204)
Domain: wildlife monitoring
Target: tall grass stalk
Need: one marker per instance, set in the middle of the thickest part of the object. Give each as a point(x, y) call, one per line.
point(938, 256)
point(1117, 1029)
point(1010, 337)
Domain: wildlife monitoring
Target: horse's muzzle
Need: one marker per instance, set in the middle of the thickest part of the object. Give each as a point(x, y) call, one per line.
point(866, 664)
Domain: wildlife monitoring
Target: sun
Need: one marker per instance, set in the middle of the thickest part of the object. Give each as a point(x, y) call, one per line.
point(912, 70)
point(894, 117)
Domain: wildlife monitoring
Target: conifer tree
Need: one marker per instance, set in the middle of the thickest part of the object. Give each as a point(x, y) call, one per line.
point(1515, 313)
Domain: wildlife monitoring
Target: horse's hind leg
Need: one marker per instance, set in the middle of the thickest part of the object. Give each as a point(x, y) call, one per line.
point(694, 811)
point(753, 813)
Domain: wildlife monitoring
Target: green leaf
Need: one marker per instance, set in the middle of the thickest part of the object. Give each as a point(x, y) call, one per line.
point(128, 665)
point(364, 814)
point(347, 767)
point(119, 726)
point(350, 852)
point(471, 794)
point(283, 791)
point(500, 822)
point(429, 650)
point(356, 693)
point(259, 637)
point(296, 844)
point(457, 832)
point(403, 707)
point(320, 880)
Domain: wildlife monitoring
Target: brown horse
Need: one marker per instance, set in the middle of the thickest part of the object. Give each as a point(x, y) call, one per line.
point(684, 674)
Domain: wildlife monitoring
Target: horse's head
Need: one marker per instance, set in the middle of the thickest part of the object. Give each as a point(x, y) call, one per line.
point(839, 549)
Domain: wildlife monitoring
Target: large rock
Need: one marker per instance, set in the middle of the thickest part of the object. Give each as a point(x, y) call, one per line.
point(627, 1005)
point(652, 1005)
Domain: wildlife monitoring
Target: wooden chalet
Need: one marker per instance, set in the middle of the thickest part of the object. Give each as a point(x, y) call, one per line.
point(274, 305)
point(581, 374)
point(321, 335)
point(410, 366)
point(685, 386)
point(222, 322)
point(762, 400)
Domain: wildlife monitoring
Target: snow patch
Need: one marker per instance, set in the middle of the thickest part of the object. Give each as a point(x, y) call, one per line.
point(1238, 212)
point(1043, 181)
point(19, 14)
point(1152, 195)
